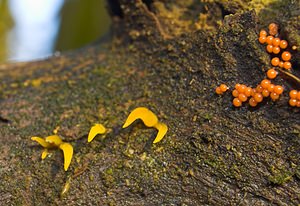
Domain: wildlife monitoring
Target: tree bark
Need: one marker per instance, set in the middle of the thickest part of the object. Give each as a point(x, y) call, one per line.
point(168, 56)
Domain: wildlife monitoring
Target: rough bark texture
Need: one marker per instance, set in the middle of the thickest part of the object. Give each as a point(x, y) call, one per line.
point(167, 57)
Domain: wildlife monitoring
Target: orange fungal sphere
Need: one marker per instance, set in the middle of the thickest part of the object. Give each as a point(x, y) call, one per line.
point(293, 94)
point(223, 87)
point(278, 89)
point(235, 93)
point(274, 96)
point(263, 33)
point(276, 42)
point(271, 73)
point(258, 97)
point(287, 65)
point(281, 64)
point(276, 49)
point(252, 102)
point(269, 40)
point(275, 61)
point(293, 102)
point(242, 97)
point(248, 91)
point(269, 48)
point(283, 44)
point(218, 90)
point(237, 86)
point(265, 93)
point(241, 89)
point(271, 87)
point(298, 96)
point(273, 29)
point(262, 39)
point(265, 83)
point(286, 56)
point(259, 89)
point(236, 102)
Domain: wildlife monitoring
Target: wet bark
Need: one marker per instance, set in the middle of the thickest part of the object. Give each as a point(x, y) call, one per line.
point(168, 56)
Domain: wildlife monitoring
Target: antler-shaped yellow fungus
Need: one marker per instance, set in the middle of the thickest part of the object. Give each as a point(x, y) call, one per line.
point(95, 130)
point(149, 119)
point(52, 142)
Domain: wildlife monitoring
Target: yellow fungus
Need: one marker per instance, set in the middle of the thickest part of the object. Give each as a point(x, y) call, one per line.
point(147, 116)
point(36, 82)
point(162, 130)
point(149, 119)
point(66, 187)
point(42, 142)
point(55, 131)
point(95, 130)
point(54, 139)
point(44, 153)
point(68, 153)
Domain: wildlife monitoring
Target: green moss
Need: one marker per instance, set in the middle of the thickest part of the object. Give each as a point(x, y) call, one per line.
point(280, 178)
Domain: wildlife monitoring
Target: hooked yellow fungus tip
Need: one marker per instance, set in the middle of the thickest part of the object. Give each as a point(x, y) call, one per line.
point(54, 139)
point(68, 154)
point(162, 130)
point(147, 116)
point(95, 130)
point(42, 142)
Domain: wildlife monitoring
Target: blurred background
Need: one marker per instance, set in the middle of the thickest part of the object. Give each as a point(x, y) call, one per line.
point(35, 29)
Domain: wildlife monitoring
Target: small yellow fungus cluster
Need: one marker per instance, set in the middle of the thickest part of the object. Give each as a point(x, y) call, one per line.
point(53, 142)
point(149, 119)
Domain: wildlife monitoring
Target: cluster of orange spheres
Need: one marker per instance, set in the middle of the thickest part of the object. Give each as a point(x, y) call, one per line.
point(242, 93)
point(265, 89)
point(294, 98)
point(275, 45)
point(221, 89)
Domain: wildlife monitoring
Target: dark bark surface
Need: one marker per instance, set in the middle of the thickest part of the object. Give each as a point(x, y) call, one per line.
point(161, 56)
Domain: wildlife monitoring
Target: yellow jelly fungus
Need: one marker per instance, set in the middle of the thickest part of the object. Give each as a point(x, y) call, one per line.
point(147, 116)
point(162, 130)
point(149, 119)
point(55, 141)
point(42, 142)
point(68, 153)
point(44, 153)
point(95, 130)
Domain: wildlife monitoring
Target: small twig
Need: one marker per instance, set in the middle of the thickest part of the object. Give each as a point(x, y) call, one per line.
point(154, 17)
point(297, 79)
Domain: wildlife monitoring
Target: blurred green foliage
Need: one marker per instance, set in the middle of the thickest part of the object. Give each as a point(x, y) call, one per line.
point(6, 23)
point(82, 22)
